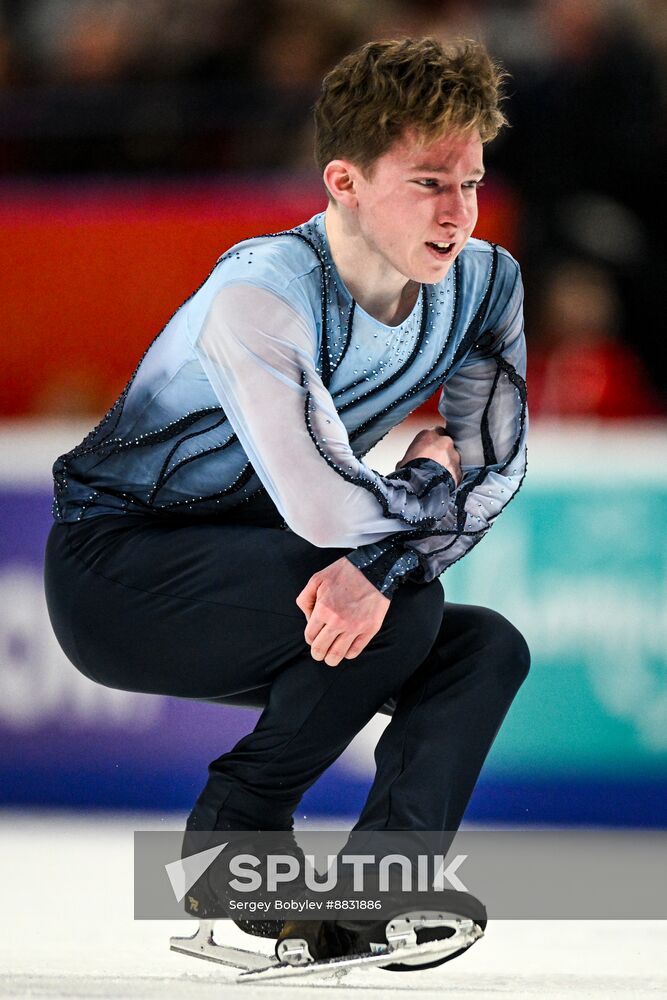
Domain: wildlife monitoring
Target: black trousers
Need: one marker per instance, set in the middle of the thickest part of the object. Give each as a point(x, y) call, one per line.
point(207, 611)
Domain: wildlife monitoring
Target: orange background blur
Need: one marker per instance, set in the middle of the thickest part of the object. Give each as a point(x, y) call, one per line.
point(94, 272)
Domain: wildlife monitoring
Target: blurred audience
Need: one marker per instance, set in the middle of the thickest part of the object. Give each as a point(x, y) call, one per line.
point(167, 87)
point(586, 151)
point(579, 367)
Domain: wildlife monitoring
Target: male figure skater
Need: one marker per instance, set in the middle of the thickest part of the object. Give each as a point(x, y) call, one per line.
point(223, 505)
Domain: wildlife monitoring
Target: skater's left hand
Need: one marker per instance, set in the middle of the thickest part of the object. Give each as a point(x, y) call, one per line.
point(344, 611)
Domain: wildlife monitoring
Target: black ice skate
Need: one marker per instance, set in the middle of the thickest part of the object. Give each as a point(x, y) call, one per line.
point(450, 932)
point(408, 942)
point(207, 899)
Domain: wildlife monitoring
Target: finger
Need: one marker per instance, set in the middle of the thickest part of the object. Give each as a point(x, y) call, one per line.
point(456, 467)
point(358, 646)
point(324, 641)
point(308, 596)
point(339, 649)
point(315, 625)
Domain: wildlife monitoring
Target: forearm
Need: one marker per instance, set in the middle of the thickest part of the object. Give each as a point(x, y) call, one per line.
point(261, 366)
point(422, 556)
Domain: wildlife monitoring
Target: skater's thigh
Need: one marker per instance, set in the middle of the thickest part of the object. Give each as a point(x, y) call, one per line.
point(194, 610)
point(227, 564)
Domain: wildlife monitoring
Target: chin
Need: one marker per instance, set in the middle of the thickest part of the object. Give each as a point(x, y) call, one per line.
point(432, 275)
point(428, 272)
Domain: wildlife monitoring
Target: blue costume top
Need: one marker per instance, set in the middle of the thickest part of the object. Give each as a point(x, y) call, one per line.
point(269, 385)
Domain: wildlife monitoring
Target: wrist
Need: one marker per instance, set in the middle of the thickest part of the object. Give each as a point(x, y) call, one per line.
point(386, 567)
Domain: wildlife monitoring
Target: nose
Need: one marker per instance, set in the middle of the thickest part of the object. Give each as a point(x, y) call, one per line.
point(455, 209)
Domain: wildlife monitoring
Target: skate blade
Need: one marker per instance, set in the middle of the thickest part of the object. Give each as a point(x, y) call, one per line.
point(203, 945)
point(430, 951)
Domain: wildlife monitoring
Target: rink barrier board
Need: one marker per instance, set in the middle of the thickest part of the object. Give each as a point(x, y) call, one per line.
point(577, 562)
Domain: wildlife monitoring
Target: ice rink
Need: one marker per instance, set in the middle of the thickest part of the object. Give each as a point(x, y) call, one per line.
point(68, 931)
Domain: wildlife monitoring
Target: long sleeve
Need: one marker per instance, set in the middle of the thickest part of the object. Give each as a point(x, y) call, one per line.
point(484, 405)
point(258, 350)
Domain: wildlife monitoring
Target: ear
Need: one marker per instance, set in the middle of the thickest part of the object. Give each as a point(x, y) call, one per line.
point(339, 177)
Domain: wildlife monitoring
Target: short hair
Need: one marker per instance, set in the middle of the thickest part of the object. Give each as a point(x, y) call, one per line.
point(373, 94)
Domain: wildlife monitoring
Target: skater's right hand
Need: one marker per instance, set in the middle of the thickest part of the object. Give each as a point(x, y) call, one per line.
point(435, 443)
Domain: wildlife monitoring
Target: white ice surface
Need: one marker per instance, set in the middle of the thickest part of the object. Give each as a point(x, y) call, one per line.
point(68, 931)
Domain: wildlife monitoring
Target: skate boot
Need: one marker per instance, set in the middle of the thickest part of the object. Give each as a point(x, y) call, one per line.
point(208, 898)
point(462, 919)
point(205, 903)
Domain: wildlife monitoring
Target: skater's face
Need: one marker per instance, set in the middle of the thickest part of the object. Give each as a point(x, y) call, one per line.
point(417, 196)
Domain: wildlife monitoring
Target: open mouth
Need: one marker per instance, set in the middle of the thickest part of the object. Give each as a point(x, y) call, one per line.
point(442, 249)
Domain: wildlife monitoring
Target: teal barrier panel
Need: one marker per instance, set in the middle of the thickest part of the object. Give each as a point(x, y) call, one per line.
point(583, 575)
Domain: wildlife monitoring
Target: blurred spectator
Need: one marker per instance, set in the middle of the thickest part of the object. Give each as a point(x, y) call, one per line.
point(588, 115)
point(587, 152)
point(651, 17)
point(287, 64)
point(579, 368)
point(194, 87)
point(80, 41)
point(6, 55)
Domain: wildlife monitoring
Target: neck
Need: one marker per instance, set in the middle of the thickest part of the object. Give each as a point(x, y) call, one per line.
point(371, 281)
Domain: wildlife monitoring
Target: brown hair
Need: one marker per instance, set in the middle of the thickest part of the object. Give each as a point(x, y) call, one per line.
point(372, 95)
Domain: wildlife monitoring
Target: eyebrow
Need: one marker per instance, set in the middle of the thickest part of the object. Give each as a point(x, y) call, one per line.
point(429, 168)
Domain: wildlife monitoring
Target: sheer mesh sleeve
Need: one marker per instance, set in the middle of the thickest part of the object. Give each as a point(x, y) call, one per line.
point(484, 406)
point(258, 352)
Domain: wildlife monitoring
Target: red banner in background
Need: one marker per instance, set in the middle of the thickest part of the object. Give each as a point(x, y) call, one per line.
point(92, 272)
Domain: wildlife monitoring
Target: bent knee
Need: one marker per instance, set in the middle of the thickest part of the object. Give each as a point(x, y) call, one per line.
point(510, 652)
